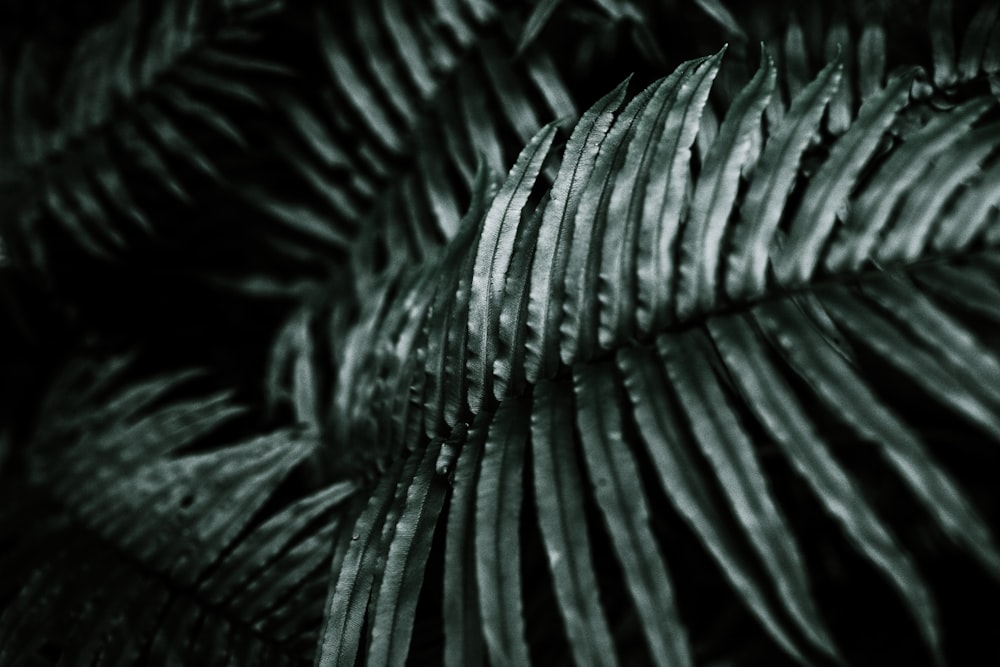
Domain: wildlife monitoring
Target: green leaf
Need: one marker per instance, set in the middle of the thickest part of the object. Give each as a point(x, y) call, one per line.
point(396, 601)
point(667, 197)
point(559, 494)
point(718, 11)
point(161, 546)
point(959, 351)
point(57, 204)
point(975, 40)
point(463, 639)
point(510, 95)
point(493, 258)
point(925, 205)
point(508, 368)
point(926, 370)
point(613, 472)
point(688, 487)
point(552, 253)
point(870, 214)
point(830, 188)
point(775, 405)
point(974, 213)
point(837, 384)
point(498, 545)
point(578, 329)
point(942, 42)
point(407, 46)
point(649, 148)
point(455, 379)
point(871, 59)
point(775, 174)
point(969, 287)
point(466, 334)
point(354, 88)
point(352, 582)
point(716, 191)
point(239, 572)
point(840, 113)
point(446, 339)
point(690, 365)
point(797, 68)
point(172, 139)
point(386, 81)
point(540, 15)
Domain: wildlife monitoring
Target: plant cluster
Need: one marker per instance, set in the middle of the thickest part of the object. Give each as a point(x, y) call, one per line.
point(455, 331)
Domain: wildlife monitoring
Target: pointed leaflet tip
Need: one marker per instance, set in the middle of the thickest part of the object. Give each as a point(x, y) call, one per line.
point(547, 292)
point(771, 185)
point(831, 186)
point(667, 198)
point(692, 366)
point(767, 394)
point(493, 258)
point(640, 198)
point(716, 191)
point(578, 324)
point(687, 486)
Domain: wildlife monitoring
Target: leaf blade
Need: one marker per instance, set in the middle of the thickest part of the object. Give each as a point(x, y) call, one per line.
point(559, 499)
point(548, 270)
point(761, 210)
point(775, 405)
point(493, 257)
point(498, 547)
point(612, 470)
point(716, 191)
point(689, 362)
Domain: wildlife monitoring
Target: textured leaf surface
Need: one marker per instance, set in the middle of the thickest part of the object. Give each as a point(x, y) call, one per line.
point(559, 492)
point(498, 548)
point(612, 471)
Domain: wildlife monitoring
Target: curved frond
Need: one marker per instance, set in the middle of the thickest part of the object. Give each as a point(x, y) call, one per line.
point(423, 93)
point(160, 553)
point(133, 120)
point(708, 376)
point(688, 366)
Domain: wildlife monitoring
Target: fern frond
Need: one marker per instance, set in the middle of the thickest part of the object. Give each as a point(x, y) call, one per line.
point(423, 103)
point(679, 371)
point(157, 552)
point(136, 123)
point(717, 366)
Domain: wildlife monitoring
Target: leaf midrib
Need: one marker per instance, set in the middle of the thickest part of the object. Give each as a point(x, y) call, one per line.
point(774, 293)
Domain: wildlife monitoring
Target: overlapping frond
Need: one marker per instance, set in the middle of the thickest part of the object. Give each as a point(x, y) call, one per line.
point(421, 92)
point(133, 121)
point(658, 308)
point(954, 41)
point(156, 551)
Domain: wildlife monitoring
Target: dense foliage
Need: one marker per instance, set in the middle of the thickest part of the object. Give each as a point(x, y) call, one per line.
point(583, 332)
